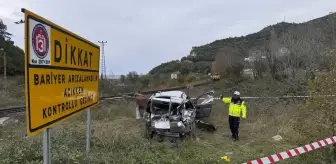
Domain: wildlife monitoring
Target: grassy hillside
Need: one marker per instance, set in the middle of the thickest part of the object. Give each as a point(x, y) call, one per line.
point(205, 54)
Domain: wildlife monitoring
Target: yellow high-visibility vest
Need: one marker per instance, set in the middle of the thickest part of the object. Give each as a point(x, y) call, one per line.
point(236, 109)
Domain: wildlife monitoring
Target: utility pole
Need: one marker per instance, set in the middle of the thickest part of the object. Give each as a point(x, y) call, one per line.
point(5, 65)
point(103, 71)
point(4, 62)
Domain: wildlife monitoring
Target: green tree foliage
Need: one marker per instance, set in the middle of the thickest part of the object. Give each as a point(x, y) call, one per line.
point(168, 67)
point(184, 66)
point(133, 79)
point(122, 78)
point(144, 80)
point(3, 30)
point(132, 76)
point(14, 54)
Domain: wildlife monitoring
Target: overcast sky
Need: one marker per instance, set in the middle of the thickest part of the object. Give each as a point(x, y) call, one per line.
point(141, 34)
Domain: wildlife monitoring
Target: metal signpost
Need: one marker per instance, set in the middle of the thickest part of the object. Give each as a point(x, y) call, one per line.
point(61, 77)
point(46, 147)
point(88, 133)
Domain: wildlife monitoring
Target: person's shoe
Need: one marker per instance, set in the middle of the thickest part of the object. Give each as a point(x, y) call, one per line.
point(236, 139)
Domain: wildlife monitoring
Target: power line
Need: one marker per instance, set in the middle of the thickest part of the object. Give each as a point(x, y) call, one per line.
point(103, 67)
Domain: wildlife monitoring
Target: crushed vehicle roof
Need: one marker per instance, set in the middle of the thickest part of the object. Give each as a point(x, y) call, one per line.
point(176, 94)
point(173, 99)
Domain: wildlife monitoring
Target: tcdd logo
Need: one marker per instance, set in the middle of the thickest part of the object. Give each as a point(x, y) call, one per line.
point(40, 40)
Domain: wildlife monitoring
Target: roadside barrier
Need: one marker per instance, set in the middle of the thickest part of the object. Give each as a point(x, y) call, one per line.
point(294, 152)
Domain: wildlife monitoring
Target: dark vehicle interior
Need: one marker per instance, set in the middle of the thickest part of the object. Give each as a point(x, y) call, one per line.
point(203, 104)
point(161, 107)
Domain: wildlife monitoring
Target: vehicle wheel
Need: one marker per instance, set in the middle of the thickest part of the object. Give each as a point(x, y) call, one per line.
point(160, 138)
point(174, 142)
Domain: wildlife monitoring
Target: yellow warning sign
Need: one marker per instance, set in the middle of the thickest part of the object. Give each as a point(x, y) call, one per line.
point(61, 72)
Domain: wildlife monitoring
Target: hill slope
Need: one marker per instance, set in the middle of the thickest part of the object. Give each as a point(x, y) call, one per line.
point(205, 54)
point(14, 54)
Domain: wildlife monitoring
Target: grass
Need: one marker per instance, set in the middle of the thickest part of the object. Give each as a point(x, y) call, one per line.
point(117, 138)
point(12, 92)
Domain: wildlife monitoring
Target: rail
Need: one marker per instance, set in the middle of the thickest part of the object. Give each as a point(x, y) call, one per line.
point(12, 109)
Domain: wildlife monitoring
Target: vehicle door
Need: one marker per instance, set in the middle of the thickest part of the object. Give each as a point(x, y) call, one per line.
point(203, 104)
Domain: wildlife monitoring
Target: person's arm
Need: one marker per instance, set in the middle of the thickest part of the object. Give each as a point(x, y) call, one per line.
point(226, 100)
point(243, 109)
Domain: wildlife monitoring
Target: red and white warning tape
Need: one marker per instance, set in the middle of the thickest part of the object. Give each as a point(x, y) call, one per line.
point(294, 152)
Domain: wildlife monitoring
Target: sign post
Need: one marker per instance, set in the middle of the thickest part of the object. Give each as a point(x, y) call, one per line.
point(88, 134)
point(61, 76)
point(46, 147)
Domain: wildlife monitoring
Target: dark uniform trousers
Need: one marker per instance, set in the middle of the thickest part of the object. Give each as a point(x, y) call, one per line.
point(234, 126)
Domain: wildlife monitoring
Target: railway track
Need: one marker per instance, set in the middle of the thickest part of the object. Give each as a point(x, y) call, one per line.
point(17, 109)
point(12, 110)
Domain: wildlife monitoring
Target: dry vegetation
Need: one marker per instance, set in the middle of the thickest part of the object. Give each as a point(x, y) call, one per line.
point(12, 92)
point(117, 136)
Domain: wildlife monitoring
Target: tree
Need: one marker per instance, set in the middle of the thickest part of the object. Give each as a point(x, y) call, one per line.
point(132, 76)
point(229, 61)
point(144, 80)
point(3, 30)
point(257, 62)
point(186, 68)
point(271, 50)
point(259, 67)
point(307, 49)
point(122, 78)
point(184, 58)
point(15, 64)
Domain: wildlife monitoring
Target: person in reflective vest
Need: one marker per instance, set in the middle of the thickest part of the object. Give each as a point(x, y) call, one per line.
point(237, 109)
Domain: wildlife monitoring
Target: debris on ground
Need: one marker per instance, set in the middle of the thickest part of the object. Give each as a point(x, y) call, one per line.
point(277, 137)
point(206, 126)
point(3, 119)
point(225, 158)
